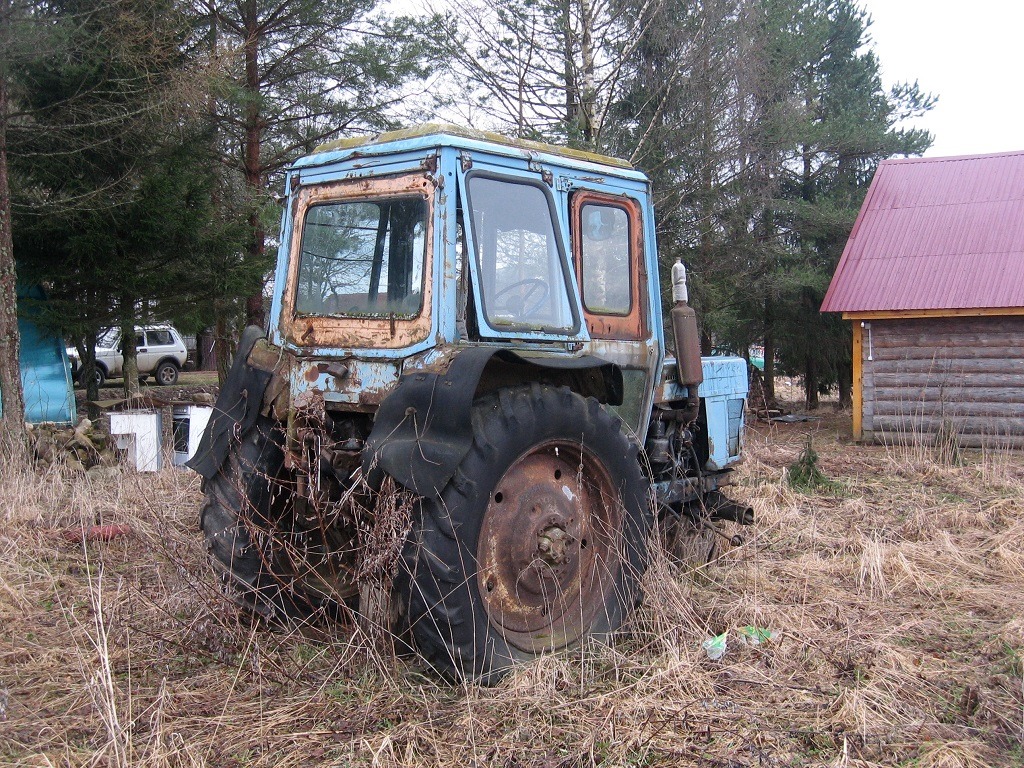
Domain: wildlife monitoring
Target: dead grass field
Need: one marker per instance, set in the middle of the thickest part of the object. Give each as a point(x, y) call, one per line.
point(896, 595)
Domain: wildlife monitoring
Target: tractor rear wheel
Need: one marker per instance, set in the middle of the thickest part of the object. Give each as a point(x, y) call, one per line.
point(538, 541)
point(268, 561)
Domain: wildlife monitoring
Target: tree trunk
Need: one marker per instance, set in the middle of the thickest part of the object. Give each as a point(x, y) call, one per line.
point(769, 352)
point(130, 357)
point(811, 382)
point(13, 436)
point(845, 376)
point(222, 348)
point(571, 96)
point(588, 95)
point(254, 313)
point(87, 354)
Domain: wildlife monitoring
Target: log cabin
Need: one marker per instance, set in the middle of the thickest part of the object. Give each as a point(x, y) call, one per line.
point(932, 280)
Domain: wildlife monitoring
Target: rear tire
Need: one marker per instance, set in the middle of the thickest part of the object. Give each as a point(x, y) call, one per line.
point(538, 541)
point(166, 373)
point(249, 523)
point(235, 521)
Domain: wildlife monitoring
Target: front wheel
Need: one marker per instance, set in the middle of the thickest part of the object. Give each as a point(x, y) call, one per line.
point(166, 373)
point(538, 541)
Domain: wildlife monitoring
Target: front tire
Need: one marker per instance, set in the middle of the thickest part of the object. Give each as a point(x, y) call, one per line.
point(538, 541)
point(166, 373)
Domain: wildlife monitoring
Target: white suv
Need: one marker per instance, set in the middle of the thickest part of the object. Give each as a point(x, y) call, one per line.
point(159, 349)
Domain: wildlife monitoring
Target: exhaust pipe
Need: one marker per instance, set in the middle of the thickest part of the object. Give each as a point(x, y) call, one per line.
point(687, 339)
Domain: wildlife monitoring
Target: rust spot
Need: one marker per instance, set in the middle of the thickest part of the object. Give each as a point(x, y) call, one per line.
point(546, 548)
point(338, 370)
point(268, 357)
point(373, 396)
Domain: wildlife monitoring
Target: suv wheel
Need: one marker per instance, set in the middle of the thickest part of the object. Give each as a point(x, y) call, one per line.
point(166, 373)
point(99, 376)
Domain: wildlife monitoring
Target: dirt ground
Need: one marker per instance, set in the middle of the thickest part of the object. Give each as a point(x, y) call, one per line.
point(892, 590)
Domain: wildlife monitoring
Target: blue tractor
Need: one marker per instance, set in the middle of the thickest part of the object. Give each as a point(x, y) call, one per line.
point(464, 397)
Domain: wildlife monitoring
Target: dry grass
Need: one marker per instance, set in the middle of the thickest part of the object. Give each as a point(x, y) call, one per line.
point(895, 597)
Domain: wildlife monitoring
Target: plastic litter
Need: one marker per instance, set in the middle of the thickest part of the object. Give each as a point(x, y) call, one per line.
point(751, 635)
point(714, 647)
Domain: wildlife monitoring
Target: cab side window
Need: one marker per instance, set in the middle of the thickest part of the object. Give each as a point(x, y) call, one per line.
point(604, 247)
point(608, 251)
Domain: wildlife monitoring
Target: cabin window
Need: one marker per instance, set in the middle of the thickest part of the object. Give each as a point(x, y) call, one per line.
point(524, 281)
point(604, 245)
point(363, 258)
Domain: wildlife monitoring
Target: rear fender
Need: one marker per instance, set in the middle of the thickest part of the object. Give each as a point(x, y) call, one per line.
point(236, 410)
point(423, 428)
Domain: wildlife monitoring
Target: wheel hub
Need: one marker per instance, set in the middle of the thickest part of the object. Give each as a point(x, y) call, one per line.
point(545, 548)
point(552, 545)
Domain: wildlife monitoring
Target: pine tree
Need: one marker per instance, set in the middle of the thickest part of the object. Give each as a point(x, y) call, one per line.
point(290, 74)
point(760, 123)
point(845, 125)
point(103, 215)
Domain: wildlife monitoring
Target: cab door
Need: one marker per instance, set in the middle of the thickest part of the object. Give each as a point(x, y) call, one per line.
point(607, 236)
point(523, 284)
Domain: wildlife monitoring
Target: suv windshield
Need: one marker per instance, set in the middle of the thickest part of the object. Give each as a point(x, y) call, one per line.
point(522, 271)
point(363, 258)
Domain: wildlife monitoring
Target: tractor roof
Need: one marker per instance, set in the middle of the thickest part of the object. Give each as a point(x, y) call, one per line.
point(439, 134)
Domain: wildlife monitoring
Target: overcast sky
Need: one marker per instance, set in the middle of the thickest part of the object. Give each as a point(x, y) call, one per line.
point(970, 54)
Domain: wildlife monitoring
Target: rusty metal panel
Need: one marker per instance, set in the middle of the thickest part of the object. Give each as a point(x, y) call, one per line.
point(936, 233)
point(333, 332)
point(351, 381)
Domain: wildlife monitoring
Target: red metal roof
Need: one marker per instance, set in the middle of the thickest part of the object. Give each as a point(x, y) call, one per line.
point(936, 233)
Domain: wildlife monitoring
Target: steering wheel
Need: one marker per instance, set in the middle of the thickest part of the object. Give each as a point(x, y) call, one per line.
point(535, 284)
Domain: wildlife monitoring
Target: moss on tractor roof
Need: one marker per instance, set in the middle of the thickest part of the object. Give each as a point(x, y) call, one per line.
point(431, 129)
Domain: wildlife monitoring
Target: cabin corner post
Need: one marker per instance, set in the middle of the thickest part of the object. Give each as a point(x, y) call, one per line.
point(858, 379)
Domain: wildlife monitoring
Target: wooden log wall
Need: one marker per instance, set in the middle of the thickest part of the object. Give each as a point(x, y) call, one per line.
point(928, 377)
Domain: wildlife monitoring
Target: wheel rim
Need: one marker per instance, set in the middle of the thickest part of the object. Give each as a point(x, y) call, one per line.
point(166, 375)
point(548, 546)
